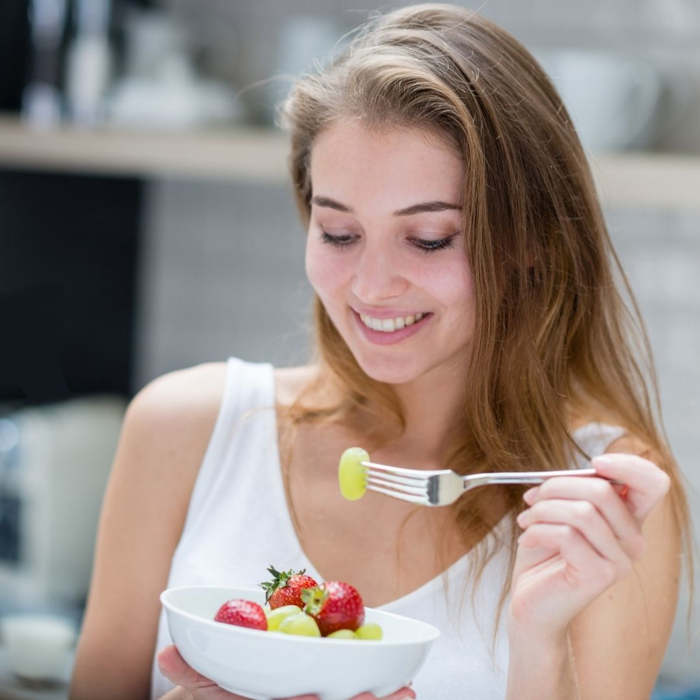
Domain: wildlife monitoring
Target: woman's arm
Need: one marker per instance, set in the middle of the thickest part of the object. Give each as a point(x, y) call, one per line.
point(614, 645)
point(164, 436)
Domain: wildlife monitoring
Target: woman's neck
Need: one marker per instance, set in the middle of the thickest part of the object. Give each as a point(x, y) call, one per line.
point(431, 407)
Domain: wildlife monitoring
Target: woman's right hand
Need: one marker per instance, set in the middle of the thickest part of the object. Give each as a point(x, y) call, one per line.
point(194, 686)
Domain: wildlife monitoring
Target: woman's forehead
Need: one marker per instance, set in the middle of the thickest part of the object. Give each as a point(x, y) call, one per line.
point(402, 165)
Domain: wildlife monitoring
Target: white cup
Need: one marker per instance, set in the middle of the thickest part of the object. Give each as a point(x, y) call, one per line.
point(38, 646)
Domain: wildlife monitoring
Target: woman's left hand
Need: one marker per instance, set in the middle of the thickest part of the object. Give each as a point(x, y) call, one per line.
point(580, 537)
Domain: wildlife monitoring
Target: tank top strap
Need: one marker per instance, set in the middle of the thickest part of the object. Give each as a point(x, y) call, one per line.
point(594, 438)
point(249, 392)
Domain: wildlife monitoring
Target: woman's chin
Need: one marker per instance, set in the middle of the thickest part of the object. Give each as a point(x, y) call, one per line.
point(388, 373)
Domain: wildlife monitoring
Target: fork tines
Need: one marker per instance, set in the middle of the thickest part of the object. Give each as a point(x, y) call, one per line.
point(405, 484)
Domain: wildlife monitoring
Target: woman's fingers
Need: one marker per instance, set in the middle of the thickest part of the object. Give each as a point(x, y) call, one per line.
point(593, 507)
point(576, 560)
point(647, 483)
point(588, 503)
point(177, 671)
point(584, 516)
point(401, 694)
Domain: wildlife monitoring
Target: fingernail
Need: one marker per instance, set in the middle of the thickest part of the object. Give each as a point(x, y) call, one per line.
point(530, 495)
point(603, 459)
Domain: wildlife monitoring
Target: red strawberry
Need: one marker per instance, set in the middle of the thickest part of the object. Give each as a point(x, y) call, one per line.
point(244, 613)
point(286, 587)
point(335, 605)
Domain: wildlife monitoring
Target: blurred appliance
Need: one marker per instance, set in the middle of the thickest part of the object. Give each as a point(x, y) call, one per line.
point(54, 463)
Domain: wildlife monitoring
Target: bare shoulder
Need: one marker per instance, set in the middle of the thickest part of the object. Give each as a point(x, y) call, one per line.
point(629, 443)
point(195, 392)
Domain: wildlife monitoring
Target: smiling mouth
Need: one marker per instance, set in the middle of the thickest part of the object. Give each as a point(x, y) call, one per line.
point(389, 325)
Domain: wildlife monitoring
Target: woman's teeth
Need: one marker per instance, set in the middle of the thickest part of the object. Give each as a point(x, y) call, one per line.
point(389, 325)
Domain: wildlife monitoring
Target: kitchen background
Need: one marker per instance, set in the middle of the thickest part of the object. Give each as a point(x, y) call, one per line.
point(146, 224)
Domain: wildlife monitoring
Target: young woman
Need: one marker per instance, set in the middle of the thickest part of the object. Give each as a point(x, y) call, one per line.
point(467, 315)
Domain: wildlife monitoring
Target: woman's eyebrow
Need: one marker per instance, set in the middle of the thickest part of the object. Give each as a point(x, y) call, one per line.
point(321, 201)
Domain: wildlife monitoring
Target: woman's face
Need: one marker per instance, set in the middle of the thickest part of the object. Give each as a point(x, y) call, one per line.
point(385, 251)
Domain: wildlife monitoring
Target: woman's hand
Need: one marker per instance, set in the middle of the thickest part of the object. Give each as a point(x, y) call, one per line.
point(580, 537)
point(196, 687)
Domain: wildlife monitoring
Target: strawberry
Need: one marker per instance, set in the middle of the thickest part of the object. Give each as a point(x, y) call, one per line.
point(335, 605)
point(285, 587)
point(244, 613)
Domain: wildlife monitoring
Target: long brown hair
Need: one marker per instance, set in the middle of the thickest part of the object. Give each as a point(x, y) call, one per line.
point(554, 335)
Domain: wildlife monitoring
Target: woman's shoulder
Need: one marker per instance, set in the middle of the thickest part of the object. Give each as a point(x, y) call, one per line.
point(179, 407)
point(196, 389)
point(191, 398)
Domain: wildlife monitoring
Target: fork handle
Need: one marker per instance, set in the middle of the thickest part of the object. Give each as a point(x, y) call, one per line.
point(526, 477)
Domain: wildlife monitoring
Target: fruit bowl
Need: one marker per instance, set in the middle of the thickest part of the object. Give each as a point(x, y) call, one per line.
point(263, 665)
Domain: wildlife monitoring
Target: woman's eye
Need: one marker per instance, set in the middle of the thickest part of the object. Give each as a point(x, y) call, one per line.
point(431, 245)
point(340, 241)
point(424, 244)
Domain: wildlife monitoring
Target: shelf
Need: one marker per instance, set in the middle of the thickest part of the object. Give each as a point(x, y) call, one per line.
point(237, 152)
point(260, 155)
point(648, 180)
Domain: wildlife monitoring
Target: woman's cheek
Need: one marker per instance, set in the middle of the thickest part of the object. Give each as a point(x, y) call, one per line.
point(449, 281)
point(325, 272)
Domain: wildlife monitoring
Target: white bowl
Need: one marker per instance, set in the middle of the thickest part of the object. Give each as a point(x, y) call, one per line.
point(264, 665)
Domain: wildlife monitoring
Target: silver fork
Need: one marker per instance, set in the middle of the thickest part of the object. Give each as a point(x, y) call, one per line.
point(440, 487)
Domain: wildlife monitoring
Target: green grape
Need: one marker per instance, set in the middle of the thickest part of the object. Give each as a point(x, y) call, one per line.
point(342, 634)
point(370, 630)
point(275, 617)
point(301, 624)
point(351, 473)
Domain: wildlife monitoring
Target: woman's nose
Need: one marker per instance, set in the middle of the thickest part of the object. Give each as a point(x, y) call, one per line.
point(377, 276)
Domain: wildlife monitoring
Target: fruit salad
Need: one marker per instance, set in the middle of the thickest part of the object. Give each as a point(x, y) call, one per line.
point(296, 604)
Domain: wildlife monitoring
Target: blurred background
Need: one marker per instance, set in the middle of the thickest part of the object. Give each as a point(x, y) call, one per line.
point(146, 224)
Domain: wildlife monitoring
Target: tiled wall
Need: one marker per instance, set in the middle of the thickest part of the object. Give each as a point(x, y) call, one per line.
point(223, 274)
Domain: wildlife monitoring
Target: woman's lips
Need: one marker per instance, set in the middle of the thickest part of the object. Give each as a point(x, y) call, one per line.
point(390, 337)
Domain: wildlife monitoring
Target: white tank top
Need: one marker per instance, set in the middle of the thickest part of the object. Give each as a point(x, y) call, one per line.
point(238, 523)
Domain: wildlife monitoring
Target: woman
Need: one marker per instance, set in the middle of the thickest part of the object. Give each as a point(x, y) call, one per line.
point(466, 315)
